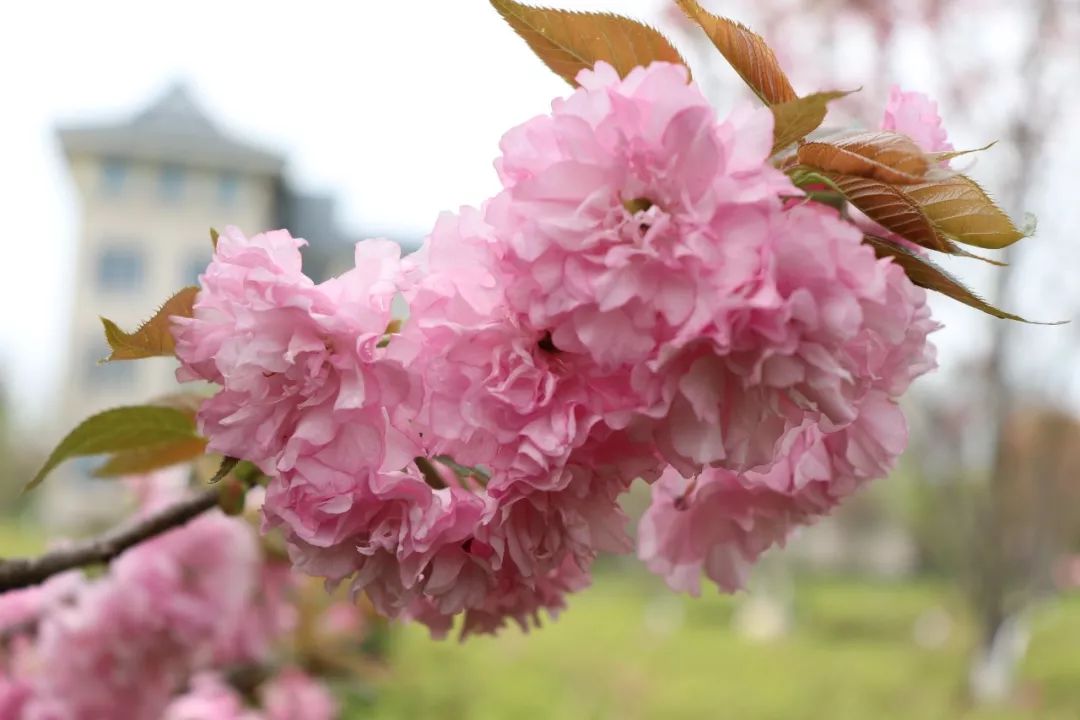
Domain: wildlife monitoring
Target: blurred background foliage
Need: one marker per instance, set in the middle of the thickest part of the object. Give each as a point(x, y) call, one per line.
point(629, 649)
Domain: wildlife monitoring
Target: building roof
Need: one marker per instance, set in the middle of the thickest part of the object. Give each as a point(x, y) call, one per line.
point(174, 128)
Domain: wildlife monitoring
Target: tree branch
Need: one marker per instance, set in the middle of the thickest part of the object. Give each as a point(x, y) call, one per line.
point(23, 572)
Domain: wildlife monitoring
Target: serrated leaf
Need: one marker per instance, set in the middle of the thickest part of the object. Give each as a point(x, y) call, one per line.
point(885, 156)
point(568, 42)
point(119, 430)
point(954, 249)
point(946, 155)
point(154, 337)
point(142, 460)
point(892, 208)
point(227, 465)
point(927, 274)
point(795, 119)
point(963, 211)
point(746, 51)
point(889, 207)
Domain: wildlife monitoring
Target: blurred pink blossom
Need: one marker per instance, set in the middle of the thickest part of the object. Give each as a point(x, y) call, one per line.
point(294, 695)
point(120, 646)
point(915, 115)
point(209, 698)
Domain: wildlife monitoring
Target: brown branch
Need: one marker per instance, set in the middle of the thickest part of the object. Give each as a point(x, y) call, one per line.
point(23, 572)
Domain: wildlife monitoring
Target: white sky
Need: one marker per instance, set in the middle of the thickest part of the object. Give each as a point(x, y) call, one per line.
point(394, 107)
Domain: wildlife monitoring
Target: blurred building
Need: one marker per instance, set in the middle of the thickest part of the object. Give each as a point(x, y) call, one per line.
point(150, 187)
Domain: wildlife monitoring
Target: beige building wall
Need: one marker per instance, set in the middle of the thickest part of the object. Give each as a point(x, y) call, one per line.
point(149, 190)
point(164, 224)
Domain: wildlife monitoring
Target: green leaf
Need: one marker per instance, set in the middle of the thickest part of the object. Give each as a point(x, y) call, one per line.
point(568, 42)
point(925, 273)
point(231, 496)
point(214, 235)
point(803, 177)
point(142, 460)
point(155, 457)
point(464, 471)
point(227, 464)
point(249, 472)
point(746, 51)
point(430, 473)
point(154, 337)
point(119, 430)
point(795, 119)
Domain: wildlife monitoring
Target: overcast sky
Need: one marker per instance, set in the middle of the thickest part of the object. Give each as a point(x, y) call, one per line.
point(395, 107)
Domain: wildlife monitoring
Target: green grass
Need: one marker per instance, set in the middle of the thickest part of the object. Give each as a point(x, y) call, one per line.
point(628, 649)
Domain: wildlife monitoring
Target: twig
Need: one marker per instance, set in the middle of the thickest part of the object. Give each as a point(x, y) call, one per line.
point(23, 572)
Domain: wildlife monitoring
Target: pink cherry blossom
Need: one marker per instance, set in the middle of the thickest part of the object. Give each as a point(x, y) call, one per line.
point(624, 210)
point(645, 290)
point(288, 353)
point(512, 598)
point(839, 323)
point(294, 695)
point(22, 608)
point(209, 698)
point(310, 393)
point(268, 615)
point(640, 231)
point(721, 521)
point(849, 339)
point(122, 645)
point(915, 115)
point(15, 692)
point(500, 397)
point(288, 695)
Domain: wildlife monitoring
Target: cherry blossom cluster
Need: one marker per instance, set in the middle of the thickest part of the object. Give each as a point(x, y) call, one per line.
point(154, 636)
point(647, 297)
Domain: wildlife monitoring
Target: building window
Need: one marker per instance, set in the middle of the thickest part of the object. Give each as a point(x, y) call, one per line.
point(171, 182)
point(114, 173)
point(196, 266)
point(120, 269)
point(228, 188)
